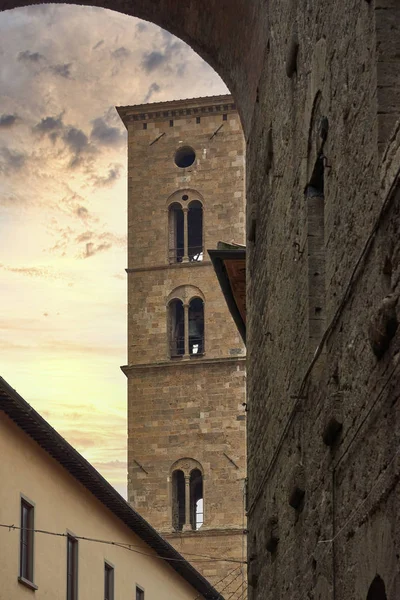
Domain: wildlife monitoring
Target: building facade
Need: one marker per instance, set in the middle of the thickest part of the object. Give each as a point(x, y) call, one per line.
point(66, 533)
point(186, 363)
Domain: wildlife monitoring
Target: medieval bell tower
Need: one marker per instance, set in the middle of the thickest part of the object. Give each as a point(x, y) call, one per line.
point(186, 362)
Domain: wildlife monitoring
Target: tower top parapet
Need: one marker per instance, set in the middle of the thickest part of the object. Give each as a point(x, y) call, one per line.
point(177, 108)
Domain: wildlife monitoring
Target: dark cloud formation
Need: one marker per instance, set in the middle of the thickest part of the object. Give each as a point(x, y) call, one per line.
point(78, 143)
point(7, 121)
point(11, 160)
point(30, 57)
point(152, 90)
point(121, 53)
point(141, 27)
point(153, 60)
point(160, 58)
point(50, 124)
point(114, 172)
point(63, 70)
point(106, 135)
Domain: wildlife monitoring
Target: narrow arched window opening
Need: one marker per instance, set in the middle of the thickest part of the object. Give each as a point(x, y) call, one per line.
point(176, 236)
point(196, 499)
point(178, 500)
point(377, 589)
point(176, 328)
point(196, 326)
point(195, 231)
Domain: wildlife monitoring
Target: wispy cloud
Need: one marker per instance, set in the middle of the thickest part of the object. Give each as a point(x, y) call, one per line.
point(63, 70)
point(30, 57)
point(121, 53)
point(114, 172)
point(154, 88)
point(11, 160)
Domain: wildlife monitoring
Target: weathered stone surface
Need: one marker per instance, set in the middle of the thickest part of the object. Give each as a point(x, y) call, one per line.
point(347, 69)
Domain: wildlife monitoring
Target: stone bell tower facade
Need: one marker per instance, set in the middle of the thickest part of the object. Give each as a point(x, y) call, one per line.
point(186, 362)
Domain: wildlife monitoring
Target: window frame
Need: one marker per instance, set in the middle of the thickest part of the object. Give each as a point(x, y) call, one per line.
point(141, 593)
point(108, 583)
point(72, 589)
point(27, 550)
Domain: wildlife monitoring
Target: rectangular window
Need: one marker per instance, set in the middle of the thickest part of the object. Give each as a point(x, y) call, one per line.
point(72, 568)
point(26, 541)
point(108, 582)
point(139, 593)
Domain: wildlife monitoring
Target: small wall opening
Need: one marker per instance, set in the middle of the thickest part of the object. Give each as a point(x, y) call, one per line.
point(178, 500)
point(196, 326)
point(196, 499)
point(176, 233)
point(195, 231)
point(176, 328)
point(377, 589)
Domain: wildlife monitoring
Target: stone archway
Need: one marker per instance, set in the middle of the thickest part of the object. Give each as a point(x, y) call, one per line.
point(228, 34)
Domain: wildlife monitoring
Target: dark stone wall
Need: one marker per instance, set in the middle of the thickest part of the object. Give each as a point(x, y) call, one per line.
point(288, 64)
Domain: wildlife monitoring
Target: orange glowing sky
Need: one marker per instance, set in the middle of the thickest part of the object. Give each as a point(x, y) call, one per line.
point(63, 208)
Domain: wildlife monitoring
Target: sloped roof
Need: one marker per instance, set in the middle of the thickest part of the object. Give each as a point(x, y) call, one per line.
point(229, 262)
point(33, 424)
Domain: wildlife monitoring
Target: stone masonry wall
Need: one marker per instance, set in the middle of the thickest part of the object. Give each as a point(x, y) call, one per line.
point(288, 64)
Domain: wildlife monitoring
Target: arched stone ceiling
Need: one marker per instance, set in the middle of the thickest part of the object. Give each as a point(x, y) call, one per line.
point(229, 34)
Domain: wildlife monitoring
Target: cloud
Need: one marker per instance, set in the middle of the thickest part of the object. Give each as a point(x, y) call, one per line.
point(105, 134)
point(153, 60)
point(76, 140)
point(95, 242)
point(84, 237)
point(30, 57)
point(50, 124)
point(92, 249)
point(41, 272)
point(141, 27)
point(63, 70)
point(8, 120)
point(114, 172)
point(160, 58)
point(152, 89)
point(78, 143)
point(81, 212)
point(11, 160)
point(121, 53)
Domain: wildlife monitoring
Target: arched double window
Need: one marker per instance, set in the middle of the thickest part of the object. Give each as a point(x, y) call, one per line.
point(186, 322)
point(187, 495)
point(185, 228)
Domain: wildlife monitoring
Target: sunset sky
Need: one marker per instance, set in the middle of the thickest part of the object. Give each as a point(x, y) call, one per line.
point(63, 208)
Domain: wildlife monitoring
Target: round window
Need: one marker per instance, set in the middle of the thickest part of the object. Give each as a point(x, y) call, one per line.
point(185, 157)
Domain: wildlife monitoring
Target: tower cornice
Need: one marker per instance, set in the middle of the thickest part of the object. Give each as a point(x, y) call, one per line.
point(176, 108)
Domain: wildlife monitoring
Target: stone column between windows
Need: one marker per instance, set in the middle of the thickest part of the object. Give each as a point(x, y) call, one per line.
point(187, 526)
point(186, 330)
point(185, 235)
